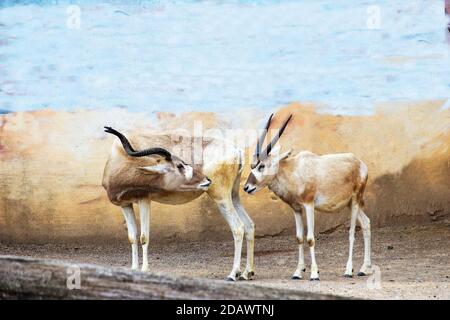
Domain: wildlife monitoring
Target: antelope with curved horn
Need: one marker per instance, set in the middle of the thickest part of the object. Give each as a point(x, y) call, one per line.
point(306, 182)
point(155, 174)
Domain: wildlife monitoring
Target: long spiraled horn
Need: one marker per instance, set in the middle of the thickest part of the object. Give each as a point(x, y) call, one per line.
point(262, 137)
point(272, 143)
point(142, 153)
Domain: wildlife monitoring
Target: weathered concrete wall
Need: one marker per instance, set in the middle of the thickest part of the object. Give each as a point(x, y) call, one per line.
point(52, 165)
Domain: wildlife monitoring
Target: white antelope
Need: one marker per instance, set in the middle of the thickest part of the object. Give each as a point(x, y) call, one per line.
point(155, 174)
point(307, 182)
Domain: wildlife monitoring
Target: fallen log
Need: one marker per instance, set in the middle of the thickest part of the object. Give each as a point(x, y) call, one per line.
point(29, 278)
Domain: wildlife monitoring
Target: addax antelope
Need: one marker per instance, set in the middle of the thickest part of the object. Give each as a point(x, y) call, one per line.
point(307, 182)
point(155, 174)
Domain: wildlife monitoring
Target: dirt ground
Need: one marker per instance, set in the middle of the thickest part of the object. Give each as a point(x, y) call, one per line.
point(413, 262)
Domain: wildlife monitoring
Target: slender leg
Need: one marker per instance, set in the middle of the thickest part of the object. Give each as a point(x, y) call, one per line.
point(301, 257)
point(309, 209)
point(130, 220)
point(365, 226)
point(237, 227)
point(249, 231)
point(351, 239)
point(144, 212)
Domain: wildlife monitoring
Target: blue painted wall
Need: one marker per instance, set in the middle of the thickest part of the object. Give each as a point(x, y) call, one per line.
point(220, 55)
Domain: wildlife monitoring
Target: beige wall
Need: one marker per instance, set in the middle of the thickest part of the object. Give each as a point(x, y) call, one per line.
point(52, 164)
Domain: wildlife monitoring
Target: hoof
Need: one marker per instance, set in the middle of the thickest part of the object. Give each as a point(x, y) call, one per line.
point(296, 278)
point(230, 279)
point(248, 277)
point(238, 274)
point(348, 276)
point(314, 279)
point(242, 277)
point(361, 274)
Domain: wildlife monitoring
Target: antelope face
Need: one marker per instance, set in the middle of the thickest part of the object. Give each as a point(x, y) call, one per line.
point(176, 175)
point(265, 163)
point(170, 172)
point(260, 176)
point(264, 171)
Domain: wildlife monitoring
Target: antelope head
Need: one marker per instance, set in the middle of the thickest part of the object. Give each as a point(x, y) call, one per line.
point(170, 172)
point(265, 163)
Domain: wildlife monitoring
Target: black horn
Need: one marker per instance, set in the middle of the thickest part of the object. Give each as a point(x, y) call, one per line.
point(262, 137)
point(142, 153)
point(272, 143)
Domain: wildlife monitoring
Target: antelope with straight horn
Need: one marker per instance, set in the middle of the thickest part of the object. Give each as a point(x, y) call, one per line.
point(155, 174)
point(307, 182)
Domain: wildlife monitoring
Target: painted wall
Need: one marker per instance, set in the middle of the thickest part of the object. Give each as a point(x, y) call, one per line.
point(52, 164)
point(186, 56)
point(377, 76)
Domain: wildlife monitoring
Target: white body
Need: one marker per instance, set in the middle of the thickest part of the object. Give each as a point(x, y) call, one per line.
point(307, 182)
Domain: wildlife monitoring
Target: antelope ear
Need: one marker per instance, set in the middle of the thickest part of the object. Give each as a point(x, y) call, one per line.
point(275, 151)
point(284, 155)
point(156, 169)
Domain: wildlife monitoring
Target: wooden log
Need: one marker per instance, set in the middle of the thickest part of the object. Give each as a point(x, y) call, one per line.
point(29, 278)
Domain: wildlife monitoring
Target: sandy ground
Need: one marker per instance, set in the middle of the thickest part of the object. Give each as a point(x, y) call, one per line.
point(414, 262)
